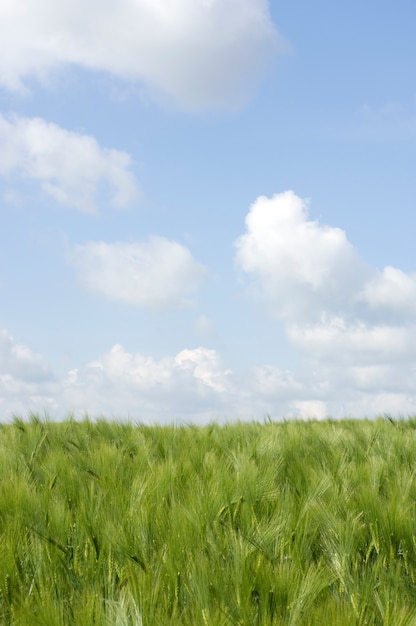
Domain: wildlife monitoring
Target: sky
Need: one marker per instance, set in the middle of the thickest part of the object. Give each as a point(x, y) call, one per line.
point(207, 209)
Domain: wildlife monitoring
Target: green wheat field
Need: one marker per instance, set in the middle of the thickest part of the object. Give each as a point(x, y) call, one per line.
point(241, 524)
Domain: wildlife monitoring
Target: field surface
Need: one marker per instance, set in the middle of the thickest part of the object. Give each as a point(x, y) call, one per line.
point(243, 524)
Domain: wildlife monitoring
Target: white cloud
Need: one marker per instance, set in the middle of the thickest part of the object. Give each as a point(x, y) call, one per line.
point(337, 340)
point(353, 360)
point(375, 377)
point(309, 409)
point(18, 362)
point(201, 53)
point(391, 289)
point(352, 326)
point(195, 386)
point(157, 274)
point(26, 383)
point(271, 382)
point(396, 404)
point(310, 274)
point(205, 365)
point(190, 385)
point(69, 166)
point(301, 267)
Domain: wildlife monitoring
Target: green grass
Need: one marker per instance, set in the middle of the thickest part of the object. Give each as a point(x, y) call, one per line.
point(245, 524)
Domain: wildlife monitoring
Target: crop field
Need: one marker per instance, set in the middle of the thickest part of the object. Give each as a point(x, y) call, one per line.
point(242, 524)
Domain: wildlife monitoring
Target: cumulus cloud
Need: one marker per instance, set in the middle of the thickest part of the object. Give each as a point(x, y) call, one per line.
point(191, 385)
point(300, 267)
point(354, 358)
point(205, 365)
point(391, 289)
point(351, 325)
point(195, 386)
point(69, 166)
point(156, 274)
point(200, 53)
point(309, 273)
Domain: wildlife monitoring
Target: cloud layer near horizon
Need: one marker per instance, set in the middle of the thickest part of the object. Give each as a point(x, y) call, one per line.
point(199, 53)
point(195, 386)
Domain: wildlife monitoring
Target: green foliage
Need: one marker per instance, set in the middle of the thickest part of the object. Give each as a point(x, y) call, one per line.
point(245, 524)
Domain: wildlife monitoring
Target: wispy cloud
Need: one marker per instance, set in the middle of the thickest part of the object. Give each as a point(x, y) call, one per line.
point(156, 274)
point(68, 166)
point(19, 362)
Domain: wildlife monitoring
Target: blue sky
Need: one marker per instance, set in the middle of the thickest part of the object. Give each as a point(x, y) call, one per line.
point(208, 209)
